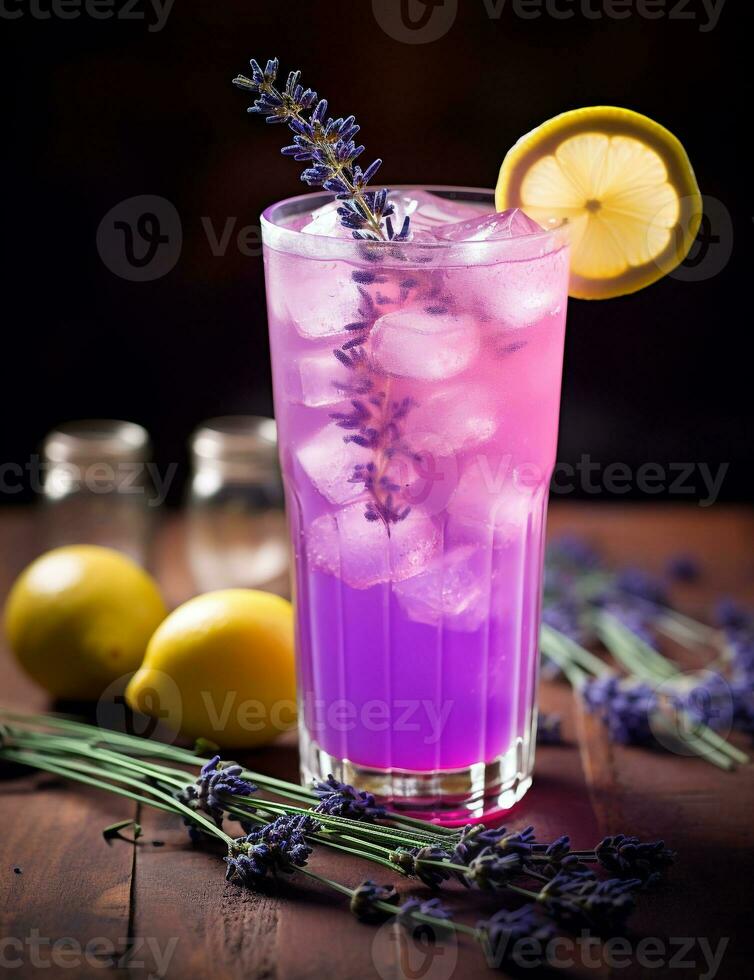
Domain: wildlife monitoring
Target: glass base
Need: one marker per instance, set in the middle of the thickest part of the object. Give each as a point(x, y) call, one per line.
point(447, 796)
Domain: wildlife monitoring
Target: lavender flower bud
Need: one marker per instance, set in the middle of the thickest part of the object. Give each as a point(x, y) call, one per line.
point(628, 857)
point(364, 899)
point(578, 899)
point(414, 862)
point(503, 931)
point(341, 800)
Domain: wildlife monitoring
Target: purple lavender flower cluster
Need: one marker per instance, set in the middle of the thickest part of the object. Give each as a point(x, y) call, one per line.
point(578, 588)
point(580, 900)
point(341, 800)
point(728, 702)
point(629, 857)
point(626, 708)
point(277, 847)
point(214, 780)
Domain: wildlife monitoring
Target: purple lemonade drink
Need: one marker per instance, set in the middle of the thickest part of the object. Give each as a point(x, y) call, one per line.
point(417, 386)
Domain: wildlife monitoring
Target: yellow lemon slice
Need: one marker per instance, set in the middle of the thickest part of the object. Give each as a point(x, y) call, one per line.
point(623, 184)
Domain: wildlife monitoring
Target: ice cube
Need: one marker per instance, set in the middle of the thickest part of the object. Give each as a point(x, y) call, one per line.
point(429, 211)
point(462, 415)
point(321, 299)
point(487, 494)
point(328, 461)
point(316, 380)
point(519, 294)
point(489, 227)
point(326, 221)
point(428, 343)
point(453, 591)
point(363, 554)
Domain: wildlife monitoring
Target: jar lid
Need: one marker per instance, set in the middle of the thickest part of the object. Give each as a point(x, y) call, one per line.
point(236, 438)
point(96, 440)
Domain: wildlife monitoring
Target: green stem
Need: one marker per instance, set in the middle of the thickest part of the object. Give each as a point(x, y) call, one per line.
point(336, 885)
point(563, 646)
point(171, 803)
point(701, 748)
point(356, 827)
point(390, 909)
point(523, 891)
point(575, 675)
point(58, 769)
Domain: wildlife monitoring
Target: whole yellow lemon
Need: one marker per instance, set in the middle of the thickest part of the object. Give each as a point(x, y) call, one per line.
point(80, 617)
point(221, 667)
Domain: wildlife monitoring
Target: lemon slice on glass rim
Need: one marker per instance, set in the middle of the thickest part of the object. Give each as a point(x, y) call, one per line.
point(622, 183)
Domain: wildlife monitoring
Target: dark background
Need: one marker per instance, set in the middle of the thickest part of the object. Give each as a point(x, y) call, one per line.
point(98, 111)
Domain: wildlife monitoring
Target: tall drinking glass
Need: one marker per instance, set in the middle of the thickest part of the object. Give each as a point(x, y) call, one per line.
point(417, 388)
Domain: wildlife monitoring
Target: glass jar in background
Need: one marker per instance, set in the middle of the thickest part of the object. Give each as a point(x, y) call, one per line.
point(97, 487)
point(237, 533)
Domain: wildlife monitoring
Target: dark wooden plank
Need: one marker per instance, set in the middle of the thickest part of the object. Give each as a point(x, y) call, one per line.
point(69, 909)
point(183, 903)
point(73, 885)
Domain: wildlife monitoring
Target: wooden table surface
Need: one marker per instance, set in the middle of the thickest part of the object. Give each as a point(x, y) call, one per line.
point(166, 910)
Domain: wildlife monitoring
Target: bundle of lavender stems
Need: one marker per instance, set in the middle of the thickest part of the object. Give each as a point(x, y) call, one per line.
point(538, 889)
point(642, 694)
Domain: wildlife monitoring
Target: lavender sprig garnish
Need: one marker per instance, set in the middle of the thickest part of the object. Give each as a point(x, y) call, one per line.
point(425, 863)
point(329, 146)
point(215, 778)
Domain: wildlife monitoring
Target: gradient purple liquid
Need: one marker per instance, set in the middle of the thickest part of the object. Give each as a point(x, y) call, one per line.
point(430, 666)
